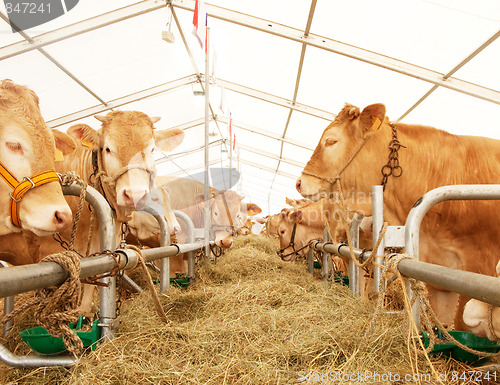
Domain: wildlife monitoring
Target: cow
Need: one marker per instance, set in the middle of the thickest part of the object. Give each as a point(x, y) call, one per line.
point(477, 315)
point(227, 211)
point(27, 162)
point(351, 153)
point(270, 225)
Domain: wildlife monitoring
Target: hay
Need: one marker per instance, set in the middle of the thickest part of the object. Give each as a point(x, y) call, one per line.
point(248, 319)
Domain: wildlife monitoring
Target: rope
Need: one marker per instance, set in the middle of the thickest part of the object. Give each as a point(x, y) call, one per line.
point(490, 323)
point(56, 307)
point(149, 280)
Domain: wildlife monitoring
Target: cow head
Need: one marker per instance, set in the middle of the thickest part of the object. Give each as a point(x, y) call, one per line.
point(124, 149)
point(145, 227)
point(296, 229)
point(27, 149)
point(334, 151)
point(228, 213)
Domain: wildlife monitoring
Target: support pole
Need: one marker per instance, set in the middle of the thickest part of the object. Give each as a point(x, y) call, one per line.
point(378, 223)
point(353, 269)
point(164, 241)
point(206, 207)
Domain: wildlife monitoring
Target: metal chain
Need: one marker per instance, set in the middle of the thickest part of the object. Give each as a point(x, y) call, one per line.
point(392, 167)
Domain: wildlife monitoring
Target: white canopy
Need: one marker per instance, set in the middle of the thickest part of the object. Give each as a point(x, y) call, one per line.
point(283, 68)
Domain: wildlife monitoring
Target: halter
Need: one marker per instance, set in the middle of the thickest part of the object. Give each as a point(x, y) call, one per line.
point(391, 168)
point(107, 182)
point(22, 187)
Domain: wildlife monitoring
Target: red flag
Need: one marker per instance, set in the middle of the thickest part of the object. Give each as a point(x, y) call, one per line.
point(200, 23)
point(232, 134)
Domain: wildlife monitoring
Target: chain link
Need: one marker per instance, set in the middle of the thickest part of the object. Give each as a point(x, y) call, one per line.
point(392, 167)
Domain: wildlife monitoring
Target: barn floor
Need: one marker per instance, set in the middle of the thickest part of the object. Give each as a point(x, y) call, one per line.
point(250, 319)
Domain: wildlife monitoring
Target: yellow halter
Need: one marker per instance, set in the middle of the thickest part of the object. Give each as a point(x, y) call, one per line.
point(21, 188)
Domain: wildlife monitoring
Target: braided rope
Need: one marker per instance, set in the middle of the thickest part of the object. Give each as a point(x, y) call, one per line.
point(149, 280)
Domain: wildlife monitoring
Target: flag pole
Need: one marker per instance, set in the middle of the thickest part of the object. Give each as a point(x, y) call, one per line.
point(207, 163)
point(230, 152)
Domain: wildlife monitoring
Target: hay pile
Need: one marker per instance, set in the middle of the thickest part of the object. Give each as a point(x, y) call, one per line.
point(249, 319)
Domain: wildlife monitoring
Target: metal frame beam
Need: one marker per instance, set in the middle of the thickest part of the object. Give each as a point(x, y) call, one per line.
point(162, 88)
point(81, 27)
point(344, 49)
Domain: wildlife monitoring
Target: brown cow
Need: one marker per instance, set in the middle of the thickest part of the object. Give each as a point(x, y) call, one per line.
point(431, 158)
point(28, 149)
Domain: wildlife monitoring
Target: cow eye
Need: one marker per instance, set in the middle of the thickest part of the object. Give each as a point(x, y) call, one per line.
point(330, 142)
point(14, 147)
point(107, 149)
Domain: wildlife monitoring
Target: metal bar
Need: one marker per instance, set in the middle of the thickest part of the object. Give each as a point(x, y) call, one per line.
point(266, 133)
point(190, 239)
point(353, 269)
point(80, 27)
point(378, 223)
point(20, 279)
point(34, 361)
point(441, 194)
point(455, 69)
point(206, 206)
point(481, 287)
point(278, 100)
point(326, 256)
point(156, 90)
point(427, 201)
point(344, 49)
point(8, 306)
point(310, 261)
point(164, 241)
point(107, 294)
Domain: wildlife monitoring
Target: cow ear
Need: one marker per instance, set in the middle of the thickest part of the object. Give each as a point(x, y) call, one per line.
point(100, 118)
point(84, 134)
point(64, 142)
point(296, 216)
point(155, 119)
point(372, 117)
point(167, 140)
point(252, 209)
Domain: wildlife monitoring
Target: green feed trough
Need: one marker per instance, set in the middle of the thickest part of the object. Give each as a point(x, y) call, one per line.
point(481, 344)
point(40, 341)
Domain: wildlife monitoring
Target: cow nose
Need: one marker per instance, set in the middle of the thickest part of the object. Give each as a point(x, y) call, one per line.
point(132, 197)
point(298, 184)
point(62, 219)
point(226, 242)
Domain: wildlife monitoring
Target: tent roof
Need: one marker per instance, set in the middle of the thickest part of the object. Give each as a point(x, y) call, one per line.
point(282, 68)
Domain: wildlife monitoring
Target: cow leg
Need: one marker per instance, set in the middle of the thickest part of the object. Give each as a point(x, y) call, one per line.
point(86, 306)
point(444, 304)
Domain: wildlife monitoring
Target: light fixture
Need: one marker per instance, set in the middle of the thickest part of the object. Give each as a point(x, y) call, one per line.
point(168, 36)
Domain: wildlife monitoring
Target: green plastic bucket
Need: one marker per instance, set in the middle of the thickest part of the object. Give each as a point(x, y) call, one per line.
point(482, 344)
point(40, 341)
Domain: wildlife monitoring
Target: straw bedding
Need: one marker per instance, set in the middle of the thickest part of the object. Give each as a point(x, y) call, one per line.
point(248, 319)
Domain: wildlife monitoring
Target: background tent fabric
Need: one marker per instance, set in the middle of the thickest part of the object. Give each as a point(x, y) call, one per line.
point(283, 69)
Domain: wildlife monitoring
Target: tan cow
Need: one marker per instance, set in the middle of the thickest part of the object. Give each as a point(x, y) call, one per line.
point(476, 316)
point(451, 231)
point(124, 147)
point(27, 150)
point(187, 195)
